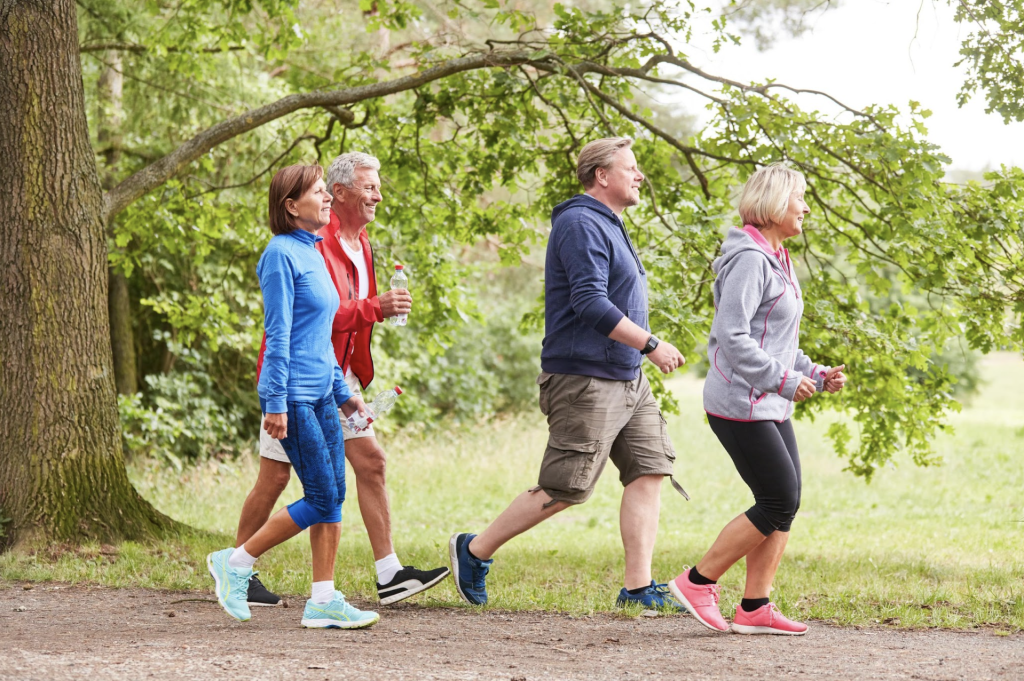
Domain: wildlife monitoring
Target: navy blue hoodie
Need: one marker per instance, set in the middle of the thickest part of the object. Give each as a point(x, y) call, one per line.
point(593, 277)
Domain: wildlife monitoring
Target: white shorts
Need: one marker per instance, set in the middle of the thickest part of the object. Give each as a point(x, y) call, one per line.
point(272, 449)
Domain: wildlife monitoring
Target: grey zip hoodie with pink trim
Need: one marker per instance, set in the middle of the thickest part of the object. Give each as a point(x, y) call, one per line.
point(756, 361)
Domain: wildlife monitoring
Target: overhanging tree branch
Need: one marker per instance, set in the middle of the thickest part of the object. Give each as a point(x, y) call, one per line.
point(155, 174)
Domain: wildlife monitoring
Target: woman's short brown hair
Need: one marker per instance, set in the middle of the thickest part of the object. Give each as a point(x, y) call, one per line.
point(290, 183)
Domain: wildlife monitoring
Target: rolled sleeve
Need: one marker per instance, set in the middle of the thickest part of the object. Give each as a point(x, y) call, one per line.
point(583, 251)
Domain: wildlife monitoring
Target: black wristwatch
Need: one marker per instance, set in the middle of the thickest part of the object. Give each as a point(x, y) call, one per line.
point(652, 343)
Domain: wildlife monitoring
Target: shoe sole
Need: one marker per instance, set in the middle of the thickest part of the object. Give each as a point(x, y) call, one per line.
point(335, 624)
point(690, 609)
point(420, 588)
point(265, 605)
point(750, 630)
point(453, 557)
point(216, 582)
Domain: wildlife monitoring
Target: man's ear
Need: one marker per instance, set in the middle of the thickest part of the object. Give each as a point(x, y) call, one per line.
point(601, 176)
point(337, 190)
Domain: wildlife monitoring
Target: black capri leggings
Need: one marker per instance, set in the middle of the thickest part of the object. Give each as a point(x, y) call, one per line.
point(765, 454)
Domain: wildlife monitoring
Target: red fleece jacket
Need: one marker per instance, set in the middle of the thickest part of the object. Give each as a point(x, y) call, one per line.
point(353, 324)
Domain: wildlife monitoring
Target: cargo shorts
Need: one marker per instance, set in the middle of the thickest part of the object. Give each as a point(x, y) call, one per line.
point(591, 420)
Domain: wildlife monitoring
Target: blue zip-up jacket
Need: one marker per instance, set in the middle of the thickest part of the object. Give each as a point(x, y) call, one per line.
point(593, 277)
point(299, 304)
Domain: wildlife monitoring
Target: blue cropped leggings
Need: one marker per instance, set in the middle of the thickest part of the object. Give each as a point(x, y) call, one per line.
point(316, 449)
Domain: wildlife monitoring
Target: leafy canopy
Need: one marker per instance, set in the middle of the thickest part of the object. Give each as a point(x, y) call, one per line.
point(480, 153)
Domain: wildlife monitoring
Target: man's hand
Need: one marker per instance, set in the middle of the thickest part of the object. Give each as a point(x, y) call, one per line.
point(835, 379)
point(666, 357)
point(804, 390)
point(276, 425)
point(395, 302)
point(354, 404)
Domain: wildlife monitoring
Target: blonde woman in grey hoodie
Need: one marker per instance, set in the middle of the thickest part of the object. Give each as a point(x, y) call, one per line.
point(757, 372)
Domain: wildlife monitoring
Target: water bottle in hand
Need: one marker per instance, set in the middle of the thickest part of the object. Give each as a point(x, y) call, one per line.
point(399, 281)
point(381, 404)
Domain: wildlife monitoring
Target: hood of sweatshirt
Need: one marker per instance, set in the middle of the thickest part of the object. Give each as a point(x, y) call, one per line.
point(749, 239)
point(585, 201)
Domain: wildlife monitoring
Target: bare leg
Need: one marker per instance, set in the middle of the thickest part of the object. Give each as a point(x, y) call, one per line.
point(525, 511)
point(324, 539)
point(762, 563)
point(270, 483)
point(369, 462)
point(638, 524)
point(736, 540)
point(280, 528)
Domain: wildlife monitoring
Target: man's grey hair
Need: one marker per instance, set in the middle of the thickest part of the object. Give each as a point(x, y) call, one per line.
point(343, 168)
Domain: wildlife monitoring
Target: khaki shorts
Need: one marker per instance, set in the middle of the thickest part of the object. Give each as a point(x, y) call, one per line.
point(272, 449)
point(591, 420)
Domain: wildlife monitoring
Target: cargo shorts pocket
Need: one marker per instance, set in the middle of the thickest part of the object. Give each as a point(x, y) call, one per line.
point(569, 464)
point(544, 396)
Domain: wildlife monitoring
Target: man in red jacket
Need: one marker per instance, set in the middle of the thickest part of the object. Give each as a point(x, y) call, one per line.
point(354, 182)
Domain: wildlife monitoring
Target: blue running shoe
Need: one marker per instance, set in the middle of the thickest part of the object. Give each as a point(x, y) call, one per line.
point(338, 614)
point(470, 573)
point(232, 584)
point(655, 597)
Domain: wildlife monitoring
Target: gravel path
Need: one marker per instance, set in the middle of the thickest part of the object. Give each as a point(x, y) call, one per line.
point(57, 632)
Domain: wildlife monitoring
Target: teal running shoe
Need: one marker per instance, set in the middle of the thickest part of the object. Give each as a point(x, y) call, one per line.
point(232, 584)
point(338, 614)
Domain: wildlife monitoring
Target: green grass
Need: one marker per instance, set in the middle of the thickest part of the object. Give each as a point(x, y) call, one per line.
point(918, 547)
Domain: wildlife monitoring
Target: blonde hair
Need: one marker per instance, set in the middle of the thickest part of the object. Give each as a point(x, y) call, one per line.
point(598, 154)
point(765, 197)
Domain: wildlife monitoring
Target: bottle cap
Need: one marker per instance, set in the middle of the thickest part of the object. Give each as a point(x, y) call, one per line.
point(398, 391)
point(399, 267)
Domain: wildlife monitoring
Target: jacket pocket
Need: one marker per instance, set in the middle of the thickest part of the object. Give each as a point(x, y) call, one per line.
point(622, 354)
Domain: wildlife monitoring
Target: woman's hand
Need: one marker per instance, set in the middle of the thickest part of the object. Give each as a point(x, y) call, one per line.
point(354, 404)
point(276, 425)
point(804, 390)
point(835, 379)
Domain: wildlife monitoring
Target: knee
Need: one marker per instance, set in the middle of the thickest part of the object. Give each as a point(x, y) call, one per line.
point(372, 466)
point(778, 511)
point(306, 513)
point(273, 480)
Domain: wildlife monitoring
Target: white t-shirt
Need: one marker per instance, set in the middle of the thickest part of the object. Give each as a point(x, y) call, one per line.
point(360, 262)
point(364, 278)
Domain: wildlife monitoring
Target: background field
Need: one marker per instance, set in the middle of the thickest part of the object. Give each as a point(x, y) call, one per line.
point(937, 546)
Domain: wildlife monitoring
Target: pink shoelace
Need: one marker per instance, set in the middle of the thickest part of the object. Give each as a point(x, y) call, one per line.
point(714, 591)
point(773, 611)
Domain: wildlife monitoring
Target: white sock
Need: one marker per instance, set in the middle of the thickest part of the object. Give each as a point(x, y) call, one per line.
point(240, 558)
point(387, 568)
point(323, 592)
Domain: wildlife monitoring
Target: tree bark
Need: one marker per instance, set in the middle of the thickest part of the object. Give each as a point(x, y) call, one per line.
point(109, 119)
point(62, 474)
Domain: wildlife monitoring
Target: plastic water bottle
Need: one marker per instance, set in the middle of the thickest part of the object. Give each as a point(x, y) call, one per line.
point(381, 404)
point(399, 281)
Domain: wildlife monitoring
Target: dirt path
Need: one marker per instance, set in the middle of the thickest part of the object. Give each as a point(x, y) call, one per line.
point(59, 632)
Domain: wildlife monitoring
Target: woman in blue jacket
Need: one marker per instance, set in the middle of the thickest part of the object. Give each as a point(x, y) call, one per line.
point(300, 389)
point(757, 372)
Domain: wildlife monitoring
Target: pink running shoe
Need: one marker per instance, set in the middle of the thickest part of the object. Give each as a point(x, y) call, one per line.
point(700, 599)
point(766, 620)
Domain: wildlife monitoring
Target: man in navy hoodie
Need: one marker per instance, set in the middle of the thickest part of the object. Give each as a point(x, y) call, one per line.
point(597, 401)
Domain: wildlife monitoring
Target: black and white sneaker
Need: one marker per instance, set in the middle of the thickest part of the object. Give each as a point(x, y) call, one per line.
point(260, 595)
point(408, 582)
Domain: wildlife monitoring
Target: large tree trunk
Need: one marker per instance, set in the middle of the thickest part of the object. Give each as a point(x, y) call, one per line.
point(62, 474)
point(109, 119)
